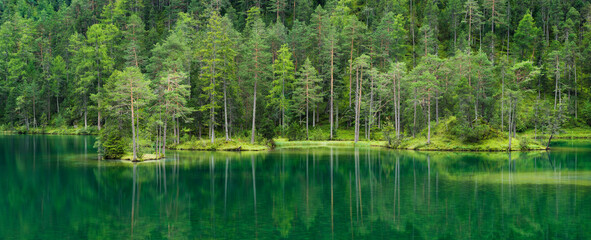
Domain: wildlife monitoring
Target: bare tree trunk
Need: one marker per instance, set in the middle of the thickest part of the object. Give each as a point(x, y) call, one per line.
point(254, 110)
point(370, 110)
point(332, 86)
point(556, 87)
point(133, 136)
point(503, 101)
point(510, 127)
point(414, 121)
point(226, 112)
point(85, 114)
point(429, 119)
point(360, 89)
point(164, 136)
point(307, 107)
point(357, 107)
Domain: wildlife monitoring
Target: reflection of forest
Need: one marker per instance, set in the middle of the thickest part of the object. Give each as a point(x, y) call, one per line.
point(320, 193)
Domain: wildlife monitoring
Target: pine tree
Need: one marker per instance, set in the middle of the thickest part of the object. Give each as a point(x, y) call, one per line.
point(134, 36)
point(128, 92)
point(213, 63)
point(307, 91)
point(257, 57)
point(525, 37)
point(361, 63)
point(283, 71)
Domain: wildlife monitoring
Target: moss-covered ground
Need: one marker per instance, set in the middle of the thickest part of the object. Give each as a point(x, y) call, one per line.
point(220, 144)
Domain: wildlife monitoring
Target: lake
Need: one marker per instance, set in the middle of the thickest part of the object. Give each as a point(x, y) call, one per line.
point(54, 187)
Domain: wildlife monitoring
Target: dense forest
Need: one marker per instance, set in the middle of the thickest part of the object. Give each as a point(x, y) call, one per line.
point(147, 73)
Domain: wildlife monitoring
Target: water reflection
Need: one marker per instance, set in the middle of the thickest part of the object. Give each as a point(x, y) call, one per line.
point(56, 188)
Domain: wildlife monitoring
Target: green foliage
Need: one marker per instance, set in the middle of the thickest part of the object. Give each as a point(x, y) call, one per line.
point(113, 145)
point(296, 132)
point(480, 62)
point(470, 132)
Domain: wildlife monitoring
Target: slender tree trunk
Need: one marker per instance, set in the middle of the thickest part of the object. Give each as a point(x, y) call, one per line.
point(85, 114)
point(332, 86)
point(254, 110)
point(429, 119)
point(576, 94)
point(414, 121)
point(356, 107)
point(360, 89)
point(351, 66)
point(399, 112)
point(503, 101)
point(510, 127)
point(370, 110)
point(134, 147)
point(437, 106)
point(307, 107)
point(226, 112)
point(556, 86)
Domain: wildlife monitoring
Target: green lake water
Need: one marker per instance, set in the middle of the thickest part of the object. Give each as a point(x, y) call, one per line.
point(54, 187)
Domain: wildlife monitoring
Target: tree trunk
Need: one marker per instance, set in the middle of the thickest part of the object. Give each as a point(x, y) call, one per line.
point(510, 127)
point(360, 89)
point(85, 114)
point(429, 119)
point(351, 66)
point(307, 107)
point(549, 140)
point(164, 136)
point(133, 125)
point(226, 113)
point(254, 111)
point(332, 86)
point(556, 87)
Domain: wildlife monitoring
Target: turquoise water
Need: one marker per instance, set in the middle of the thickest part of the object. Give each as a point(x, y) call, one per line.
point(54, 187)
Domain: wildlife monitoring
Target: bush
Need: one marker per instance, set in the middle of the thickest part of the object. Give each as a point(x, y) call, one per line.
point(113, 147)
point(296, 132)
point(317, 134)
point(479, 131)
point(523, 143)
point(586, 113)
point(388, 132)
point(58, 121)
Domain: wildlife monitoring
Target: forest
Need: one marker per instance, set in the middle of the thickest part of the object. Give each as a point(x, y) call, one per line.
point(148, 75)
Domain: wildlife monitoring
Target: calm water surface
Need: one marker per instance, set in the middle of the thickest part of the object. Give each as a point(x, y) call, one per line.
point(53, 187)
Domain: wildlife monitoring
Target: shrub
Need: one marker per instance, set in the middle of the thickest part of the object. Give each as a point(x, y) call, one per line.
point(296, 132)
point(586, 113)
point(388, 132)
point(113, 147)
point(479, 131)
point(523, 143)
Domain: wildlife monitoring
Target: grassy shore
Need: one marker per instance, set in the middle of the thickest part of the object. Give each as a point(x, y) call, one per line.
point(447, 143)
point(441, 140)
point(220, 144)
point(568, 133)
point(50, 130)
point(285, 143)
point(144, 157)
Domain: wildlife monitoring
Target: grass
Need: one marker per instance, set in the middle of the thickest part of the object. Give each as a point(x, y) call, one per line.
point(443, 140)
point(50, 130)
point(447, 143)
point(145, 157)
point(568, 133)
point(220, 144)
point(284, 143)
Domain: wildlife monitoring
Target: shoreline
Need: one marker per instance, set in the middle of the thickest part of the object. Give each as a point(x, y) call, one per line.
point(239, 146)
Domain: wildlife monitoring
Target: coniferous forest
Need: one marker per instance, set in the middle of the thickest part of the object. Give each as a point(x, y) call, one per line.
point(147, 75)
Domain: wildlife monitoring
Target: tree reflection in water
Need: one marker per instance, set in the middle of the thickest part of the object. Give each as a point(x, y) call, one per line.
point(314, 193)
